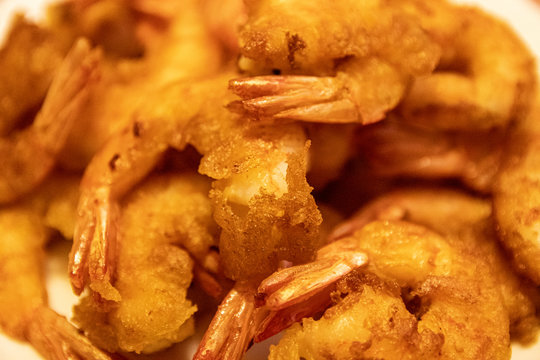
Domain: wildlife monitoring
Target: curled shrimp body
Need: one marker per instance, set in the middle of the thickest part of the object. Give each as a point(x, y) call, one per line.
point(23, 300)
point(517, 197)
point(28, 156)
point(394, 148)
point(155, 265)
point(257, 312)
point(408, 264)
point(482, 82)
point(24, 81)
point(116, 98)
point(392, 290)
point(261, 197)
point(467, 222)
point(122, 162)
point(348, 61)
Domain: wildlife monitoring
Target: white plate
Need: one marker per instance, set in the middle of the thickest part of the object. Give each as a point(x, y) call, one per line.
point(524, 15)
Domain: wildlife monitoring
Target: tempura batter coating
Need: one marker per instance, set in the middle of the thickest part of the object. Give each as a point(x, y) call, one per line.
point(163, 221)
point(272, 172)
point(24, 313)
point(30, 291)
point(468, 225)
point(356, 59)
point(450, 295)
point(185, 51)
point(486, 76)
point(28, 61)
point(262, 200)
point(517, 196)
point(309, 37)
point(369, 319)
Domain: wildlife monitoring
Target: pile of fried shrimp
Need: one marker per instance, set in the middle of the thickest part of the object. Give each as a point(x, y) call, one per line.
point(361, 177)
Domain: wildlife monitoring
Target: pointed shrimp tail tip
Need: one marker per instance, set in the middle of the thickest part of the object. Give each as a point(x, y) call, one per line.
point(305, 281)
point(231, 329)
point(54, 337)
point(77, 284)
point(256, 86)
point(336, 112)
point(300, 98)
point(77, 267)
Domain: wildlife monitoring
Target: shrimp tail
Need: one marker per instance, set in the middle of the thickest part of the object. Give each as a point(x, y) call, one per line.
point(297, 284)
point(80, 250)
point(67, 95)
point(277, 321)
point(28, 157)
point(301, 98)
point(301, 291)
point(56, 339)
point(231, 329)
point(93, 255)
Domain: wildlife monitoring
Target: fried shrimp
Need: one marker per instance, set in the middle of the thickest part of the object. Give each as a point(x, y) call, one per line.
point(348, 61)
point(482, 81)
point(394, 148)
point(517, 196)
point(261, 197)
point(23, 305)
point(290, 36)
point(116, 98)
point(468, 225)
point(205, 152)
point(370, 318)
point(29, 155)
point(25, 79)
point(262, 200)
point(344, 98)
point(154, 269)
point(428, 300)
point(288, 295)
point(122, 162)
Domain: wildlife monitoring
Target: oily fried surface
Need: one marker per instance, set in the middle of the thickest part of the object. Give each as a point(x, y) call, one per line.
point(482, 81)
point(426, 276)
point(371, 321)
point(265, 206)
point(468, 225)
point(261, 197)
point(311, 36)
point(28, 62)
point(461, 291)
point(517, 196)
point(444, 298)
point(21, 255)
point(163, 218)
